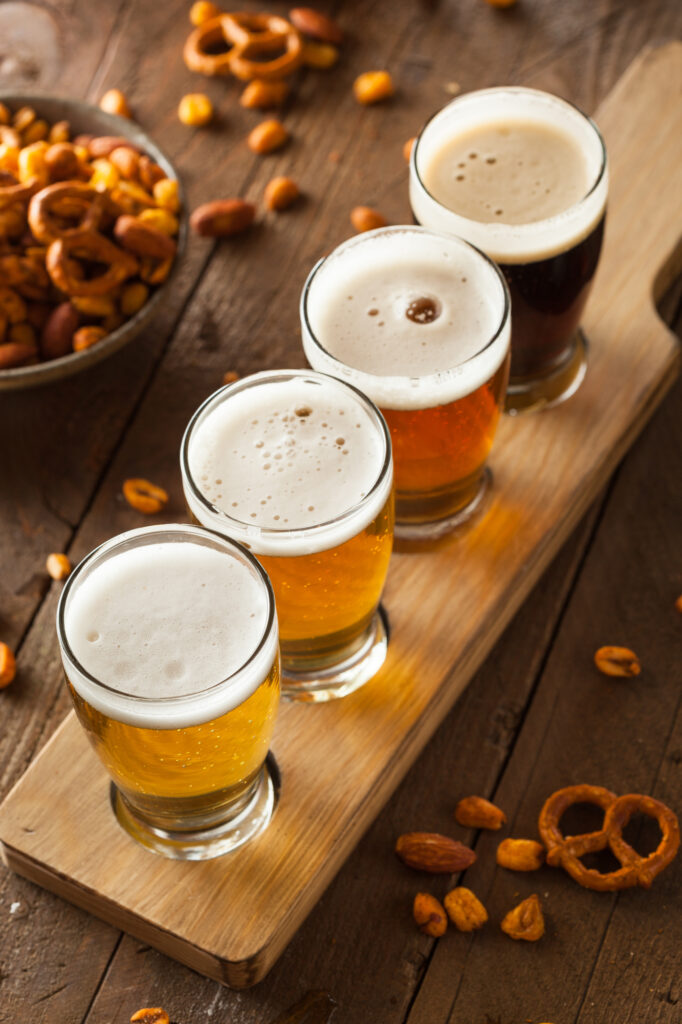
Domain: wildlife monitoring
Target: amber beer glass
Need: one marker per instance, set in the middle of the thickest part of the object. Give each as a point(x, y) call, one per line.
point(297, 466)
point(522, 175)
point(168, 637)
point(420, 323)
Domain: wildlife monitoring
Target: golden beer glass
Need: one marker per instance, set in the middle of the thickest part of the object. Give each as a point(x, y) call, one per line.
point(316, 510)
point(523, 175)
point(168, 637)
point(420, 346)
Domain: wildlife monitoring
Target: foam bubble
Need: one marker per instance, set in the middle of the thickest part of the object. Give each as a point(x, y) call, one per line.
point(443, 305)
point(166, 620)
point(281, 494)
point(564, 222)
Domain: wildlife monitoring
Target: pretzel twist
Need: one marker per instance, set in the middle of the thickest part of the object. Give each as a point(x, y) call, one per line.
point(67, 274)
point(566, 851)
point(248, 37)
point(66, 206)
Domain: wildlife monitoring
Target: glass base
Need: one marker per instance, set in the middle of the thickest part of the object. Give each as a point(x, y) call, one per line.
point(205, 844)
point(438, 528)
point(555, 387)
point(345, 676)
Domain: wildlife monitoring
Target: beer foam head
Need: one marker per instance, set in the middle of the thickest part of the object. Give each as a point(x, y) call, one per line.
point(554, 201)
point(412, 318)
point(167, 627)
point(289, 462)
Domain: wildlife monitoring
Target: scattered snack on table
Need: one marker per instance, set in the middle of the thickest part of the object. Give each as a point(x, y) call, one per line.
point(500, 3)
point(230, 376)
point(58, 566)
point(320, 56)
point(280, 193)
point(195, 109)
point(465, 910)
point(476, 812)
point(263, 95)
point(81, 221)
point(365, 218)
point(373, 86)
point(267, 136)
point(678, 603)
point(566, 851)
point(316, 25)
point(429, 851)
point(153, 1015)
point(114, 102)
point(407, 148)
point(144, 496)
point(222, 217)
point(8, 666)
point(617, 661)
point(525, 921)
point(520, 854)
point(429, 915)
point(248, 36)
point(202, 11)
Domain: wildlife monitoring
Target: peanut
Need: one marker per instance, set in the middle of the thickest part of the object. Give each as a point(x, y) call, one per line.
point(104, 176)
point(229, 377)
point(262, 94)
point(8, 666)
point(617, 661)
point(678, 603)
point(280, 193)
point(407, 148)
point(62, 161)
point(475, 812)
point(316, 25)
point(86, 337)
point(23, 117)
point(222, 217)
point(126, 161)
point(114, 102)
point(35, 132)
point(59, 132)
point(525, 921)
point(150, 172)
point(320, 56)
point(146, 497)
point(93, 305)
point(162, 220)
point(195, 109)
point(133, 298)
point(429, 915)
point(166, 193)
point(203, 11)
point(153, 1015)
point(465, 910)
point(5, 116)
point(267, 136)
point(373, 86)
point(520, 854)
point(58, 566)
point(500, 3)
point(365, 218)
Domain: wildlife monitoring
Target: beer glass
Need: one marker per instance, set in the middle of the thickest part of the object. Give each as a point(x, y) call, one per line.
point(420, 323)
point(522, 175)
point(168, 636)
point(297, 467)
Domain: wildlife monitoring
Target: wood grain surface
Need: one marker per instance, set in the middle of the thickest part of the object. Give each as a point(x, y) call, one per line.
point(72, 446)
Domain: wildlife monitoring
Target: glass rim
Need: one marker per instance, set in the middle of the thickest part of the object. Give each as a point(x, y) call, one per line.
point(533, 225)
point(426, 378)
point(142, 533)
point(300, 532)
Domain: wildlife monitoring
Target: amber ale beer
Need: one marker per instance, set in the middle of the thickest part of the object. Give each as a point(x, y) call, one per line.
point(522, 175)
point(297, 466)
point(169, 642)
point(419, 322)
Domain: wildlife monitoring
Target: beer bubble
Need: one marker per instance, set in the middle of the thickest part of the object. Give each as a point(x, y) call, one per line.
point(490, 160)
point(372, 312)
point(93, 636)
point(340, 440)
point(174, 669)
point(472, 156)
point(303, 411)
point(498, 213)
point(423, 310)
point(459, 177)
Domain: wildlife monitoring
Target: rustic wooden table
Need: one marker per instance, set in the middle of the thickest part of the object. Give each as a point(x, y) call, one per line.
point(536, 716)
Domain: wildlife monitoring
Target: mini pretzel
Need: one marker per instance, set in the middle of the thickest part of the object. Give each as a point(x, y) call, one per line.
point(67, 274)
point(566, 851)
point(66, 201)
point(18, 192)
point(249, 36)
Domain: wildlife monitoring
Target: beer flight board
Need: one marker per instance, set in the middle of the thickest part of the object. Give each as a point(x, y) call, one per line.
point(340, 761)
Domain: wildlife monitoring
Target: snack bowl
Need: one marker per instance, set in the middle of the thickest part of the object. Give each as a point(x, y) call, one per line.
point(84, 118)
